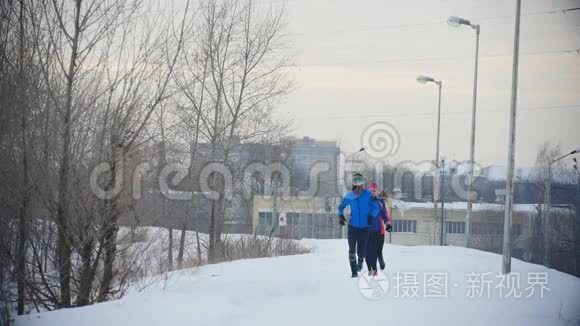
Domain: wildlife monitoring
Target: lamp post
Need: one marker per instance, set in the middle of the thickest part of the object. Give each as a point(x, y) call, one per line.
point(355, 153)
point(342, 163)
point(423, 80)
point(456, 22)
point(548, 206)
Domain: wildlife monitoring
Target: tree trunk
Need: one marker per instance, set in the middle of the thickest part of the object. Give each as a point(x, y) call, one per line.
point(181, 247)
point(21, 257)
point(211, 230)
point(64, 254)
point(110, 227)
point(87, 273)
point(22, 227)
point(170, 251)
point(110, 246)
point(199, 257)
point(64, 245)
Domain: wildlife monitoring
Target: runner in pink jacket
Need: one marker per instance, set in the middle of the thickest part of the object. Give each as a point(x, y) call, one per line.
point(386, 224)
point(377, 232)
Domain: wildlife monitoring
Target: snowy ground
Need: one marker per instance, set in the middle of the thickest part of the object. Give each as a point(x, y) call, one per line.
point(316, 289)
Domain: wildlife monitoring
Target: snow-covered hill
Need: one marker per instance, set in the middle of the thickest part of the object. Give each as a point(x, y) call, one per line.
point(426, 286)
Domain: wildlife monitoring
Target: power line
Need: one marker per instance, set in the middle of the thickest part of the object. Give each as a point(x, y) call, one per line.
point(430, 114)
point(431, 59)
point(366, 29)
point(439, 22)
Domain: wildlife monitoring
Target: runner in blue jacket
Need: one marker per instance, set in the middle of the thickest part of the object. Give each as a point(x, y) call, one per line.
point(363, 211)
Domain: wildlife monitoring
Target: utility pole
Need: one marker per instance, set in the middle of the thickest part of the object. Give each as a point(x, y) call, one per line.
point(548, 208)
point(275, 218)
point(577, 219)
point(436, 177)
point(508, 210)
point(389, 207)
point(577, 229)
point(441, 239)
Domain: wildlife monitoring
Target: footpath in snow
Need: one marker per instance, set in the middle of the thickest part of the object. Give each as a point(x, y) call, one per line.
point(424, 286)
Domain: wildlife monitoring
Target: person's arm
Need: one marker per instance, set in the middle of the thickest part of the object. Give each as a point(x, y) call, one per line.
point(387, 216)
point(384, 213)
point(342, 206)
point(388, 212)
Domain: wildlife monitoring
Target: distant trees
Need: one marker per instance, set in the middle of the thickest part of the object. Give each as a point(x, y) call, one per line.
point(559, 230)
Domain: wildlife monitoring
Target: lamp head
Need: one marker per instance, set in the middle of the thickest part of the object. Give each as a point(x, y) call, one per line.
point(425, 79)
point(457, 21)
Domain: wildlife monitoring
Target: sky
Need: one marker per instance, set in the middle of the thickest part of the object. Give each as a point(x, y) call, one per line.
point(356, 63)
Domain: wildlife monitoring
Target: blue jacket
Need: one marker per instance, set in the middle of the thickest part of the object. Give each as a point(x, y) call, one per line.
point(360, 208)
point(383, 214)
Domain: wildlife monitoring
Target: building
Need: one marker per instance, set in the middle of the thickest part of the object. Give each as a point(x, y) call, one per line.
point(413, 225)
point(295, 217)
point(316, 217)
point(303, 156)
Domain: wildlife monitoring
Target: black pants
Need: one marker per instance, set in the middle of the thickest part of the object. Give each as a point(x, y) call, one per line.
point(357, 244)
point(374, 249)
point(381, 245)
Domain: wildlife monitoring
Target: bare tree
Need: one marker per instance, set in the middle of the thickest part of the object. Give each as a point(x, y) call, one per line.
point(82, 82)
point(19, 99)
point(240, 69)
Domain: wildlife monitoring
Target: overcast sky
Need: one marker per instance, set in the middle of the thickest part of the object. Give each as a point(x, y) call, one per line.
point(356, 63)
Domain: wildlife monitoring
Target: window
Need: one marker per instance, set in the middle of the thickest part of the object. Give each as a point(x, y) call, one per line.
point(409, 226)
point(495, 229)
point(292, 218)
point(331, 219)
point(308, 219)
point(516, 230)
point(327, 204)
point(455, 227)
point(265, 218)
point(318, 219)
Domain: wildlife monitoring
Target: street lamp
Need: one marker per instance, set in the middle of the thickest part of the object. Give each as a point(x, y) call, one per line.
point(423, 80)
point(457, 22)
point(548, 205)
point(355, 153)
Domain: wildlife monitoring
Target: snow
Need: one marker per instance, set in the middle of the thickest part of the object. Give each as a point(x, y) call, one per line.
point(316, 289)
point(149, 251)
